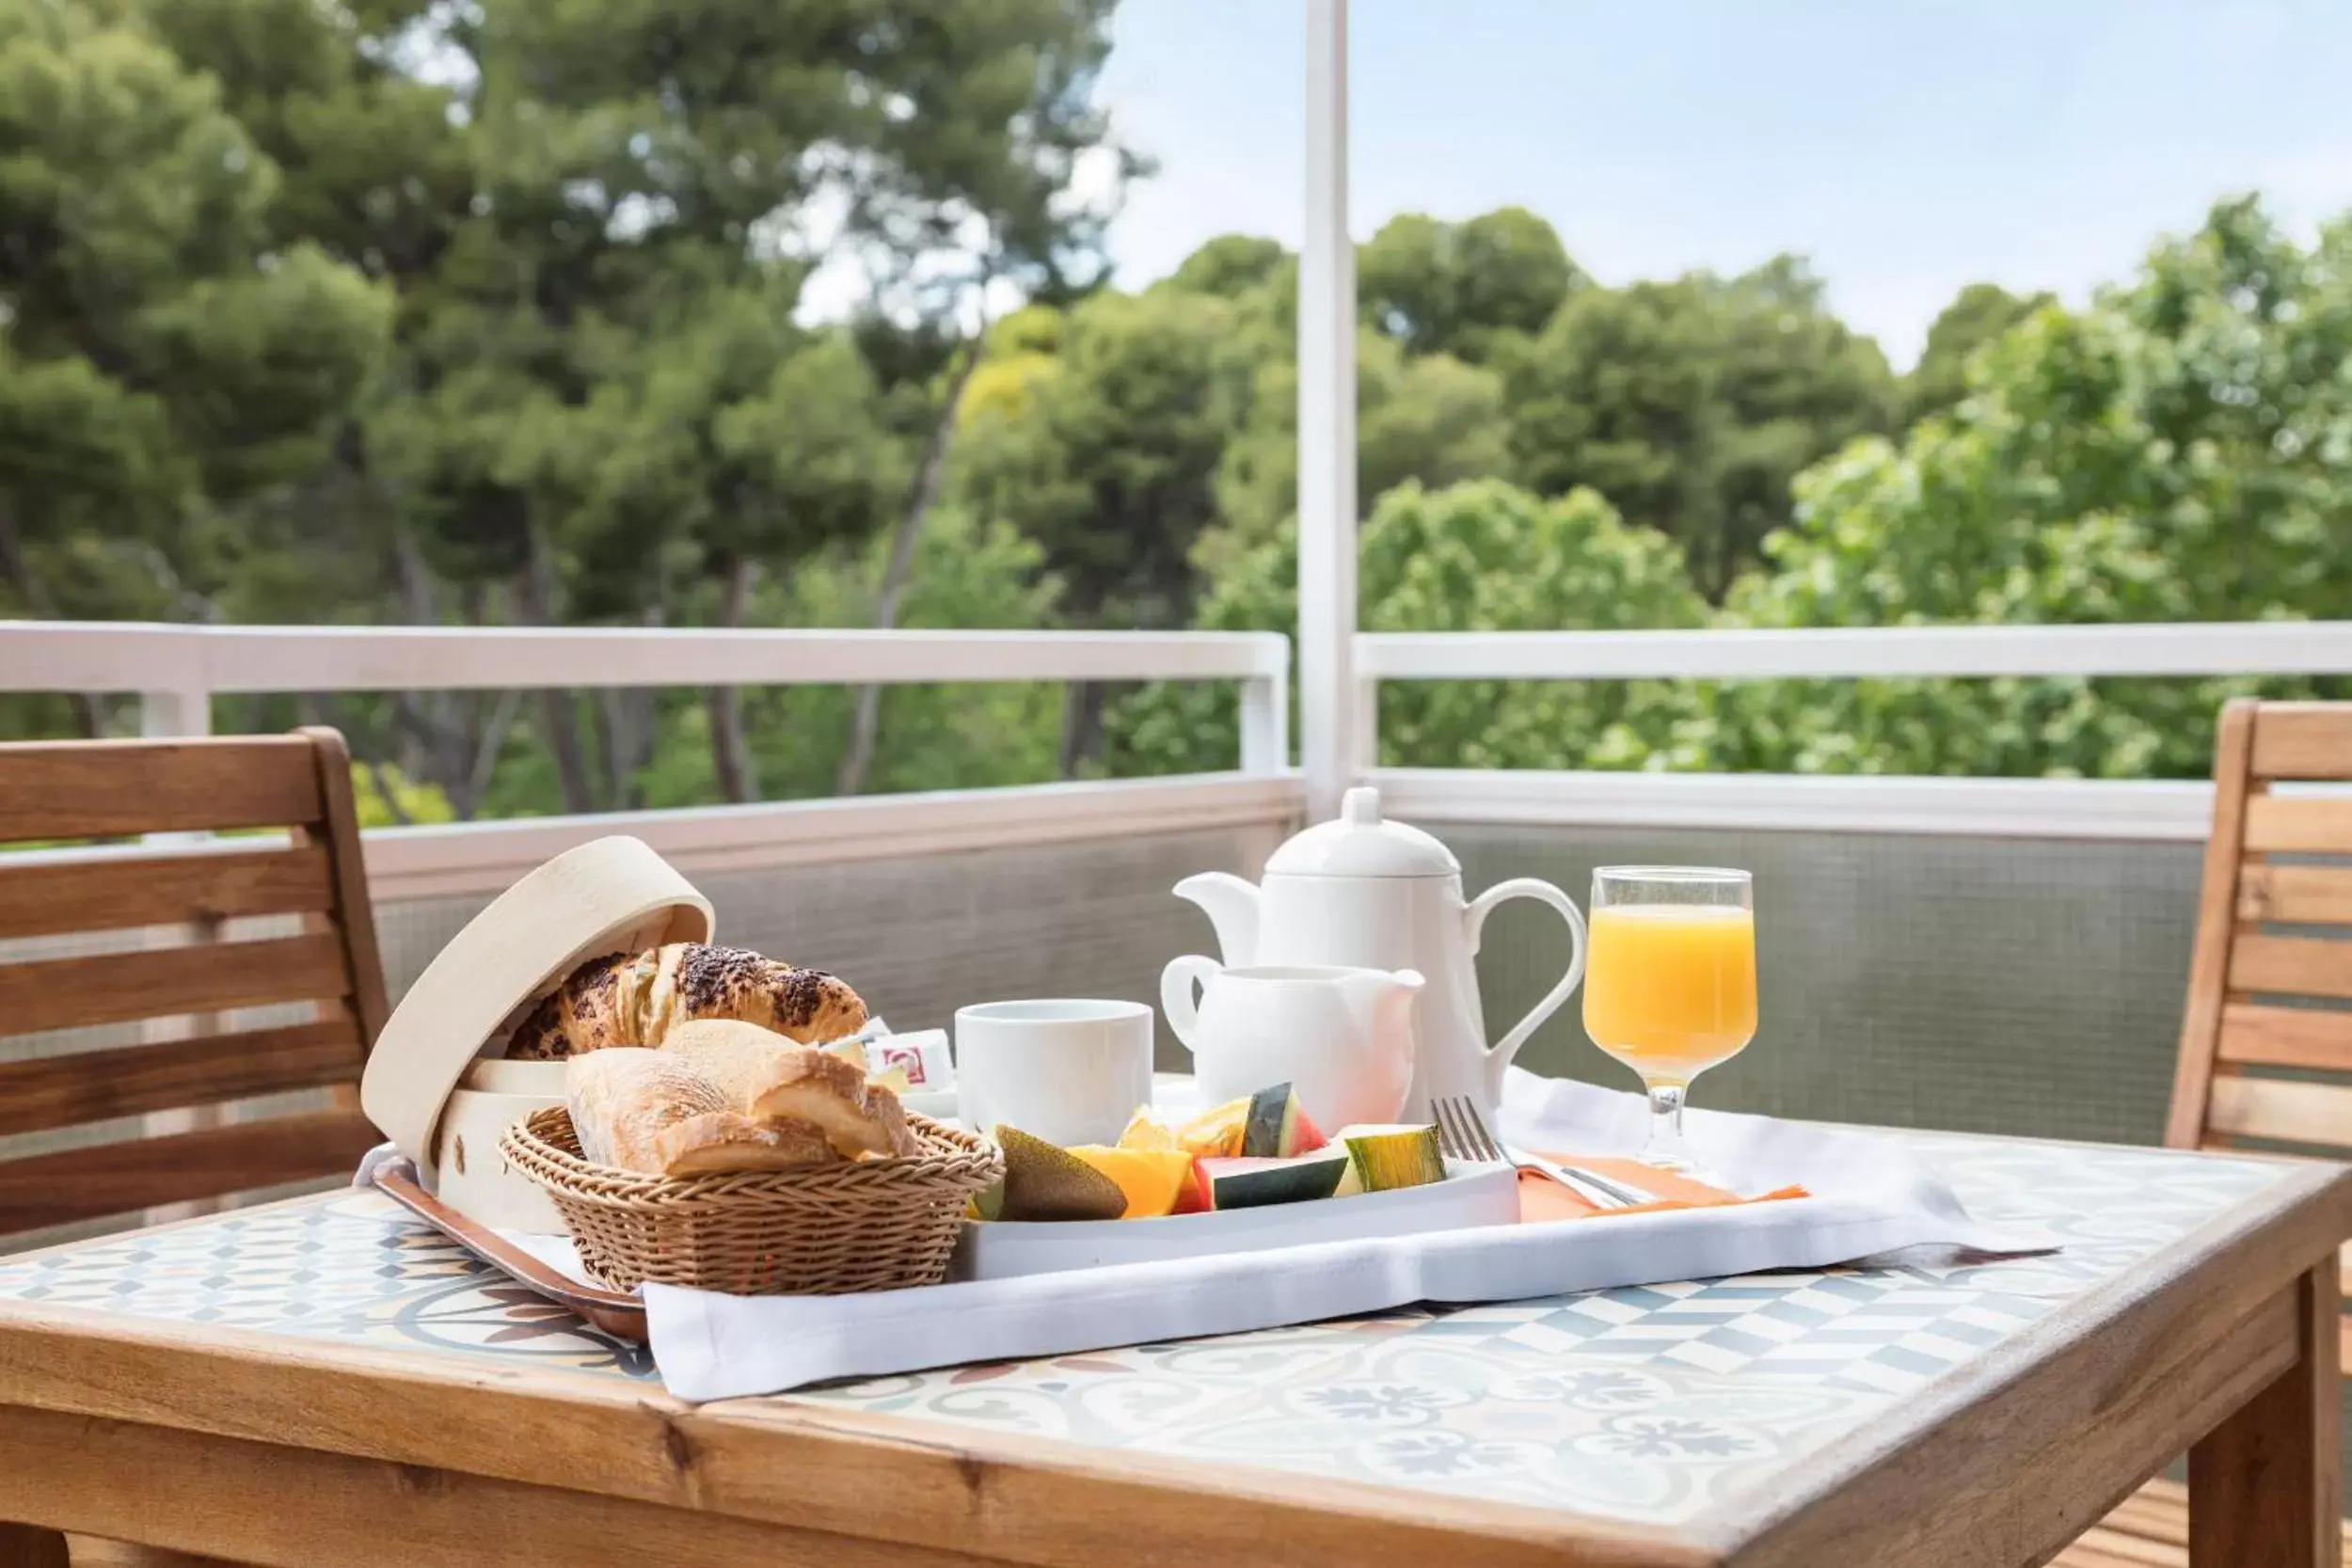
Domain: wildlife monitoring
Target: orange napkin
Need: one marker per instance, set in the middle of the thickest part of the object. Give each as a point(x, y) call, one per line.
point(1542, 1198)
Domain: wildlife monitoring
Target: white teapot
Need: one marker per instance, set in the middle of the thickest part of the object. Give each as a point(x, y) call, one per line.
point(1366, 894)
point(1341, 1039)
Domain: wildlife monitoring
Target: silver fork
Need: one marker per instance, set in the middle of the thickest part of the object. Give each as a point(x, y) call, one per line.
point(1462, 1134)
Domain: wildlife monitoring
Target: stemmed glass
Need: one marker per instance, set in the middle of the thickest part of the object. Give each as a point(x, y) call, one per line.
point(1670, 983)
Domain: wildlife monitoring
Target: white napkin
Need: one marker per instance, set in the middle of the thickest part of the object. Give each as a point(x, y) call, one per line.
point(1871, 1194)
point(373, 1160)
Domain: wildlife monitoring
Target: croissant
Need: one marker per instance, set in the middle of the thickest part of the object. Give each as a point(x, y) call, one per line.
point(620, 1000)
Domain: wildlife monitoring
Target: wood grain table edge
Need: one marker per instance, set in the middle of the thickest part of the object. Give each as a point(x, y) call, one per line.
point(281, 1506)
point(1054, 1503)
point(2003, 1459)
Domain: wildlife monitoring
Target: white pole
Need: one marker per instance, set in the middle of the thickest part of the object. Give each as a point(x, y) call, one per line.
point(1327, 429)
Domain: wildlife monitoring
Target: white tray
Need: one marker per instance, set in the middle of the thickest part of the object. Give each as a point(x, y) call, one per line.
point(1469, 1197)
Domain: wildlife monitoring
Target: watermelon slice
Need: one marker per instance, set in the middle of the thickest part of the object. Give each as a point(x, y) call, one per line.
point(1246, 1181)
point(1193, 1196)
point(1277, 1126)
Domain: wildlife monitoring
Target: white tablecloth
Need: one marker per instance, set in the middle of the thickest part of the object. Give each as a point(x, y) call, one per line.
point(1870, 1195)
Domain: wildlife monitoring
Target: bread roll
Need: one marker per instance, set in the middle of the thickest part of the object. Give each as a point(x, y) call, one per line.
point(622, 1101)
point(893, 1119)
point(719, 1142)
point(768, 1079)
point(622, 1000)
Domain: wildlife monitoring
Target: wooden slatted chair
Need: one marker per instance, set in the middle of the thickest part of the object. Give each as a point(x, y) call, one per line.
point(167, 911)
point(75, 790)
point(2269, 1020)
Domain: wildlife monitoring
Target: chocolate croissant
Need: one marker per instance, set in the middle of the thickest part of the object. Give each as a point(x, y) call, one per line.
point(620, 1000)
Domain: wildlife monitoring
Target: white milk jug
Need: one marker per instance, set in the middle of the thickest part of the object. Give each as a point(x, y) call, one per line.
point(1342, 1038)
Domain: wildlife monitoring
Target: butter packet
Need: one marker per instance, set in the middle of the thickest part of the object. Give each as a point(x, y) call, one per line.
point(917, 1063)
point(921, 1056)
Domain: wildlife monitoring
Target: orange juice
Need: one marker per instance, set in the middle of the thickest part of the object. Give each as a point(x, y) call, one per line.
point(1670, 988)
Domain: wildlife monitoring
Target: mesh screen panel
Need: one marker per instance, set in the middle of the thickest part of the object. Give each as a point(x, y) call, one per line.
point(923, 936)
point(2030, 987)
point(2026, 987)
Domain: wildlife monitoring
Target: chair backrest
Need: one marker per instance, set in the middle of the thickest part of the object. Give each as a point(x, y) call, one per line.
point(109, 952)
point(2269, 1015)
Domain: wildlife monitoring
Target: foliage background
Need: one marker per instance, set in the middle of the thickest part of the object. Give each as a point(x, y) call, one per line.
point(400, 312)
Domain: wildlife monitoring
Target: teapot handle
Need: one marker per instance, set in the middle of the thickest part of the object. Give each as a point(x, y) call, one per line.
point(1176, 993)
point(1474, 919)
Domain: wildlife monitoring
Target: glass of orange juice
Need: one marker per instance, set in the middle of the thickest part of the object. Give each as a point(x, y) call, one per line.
point(1670, 983)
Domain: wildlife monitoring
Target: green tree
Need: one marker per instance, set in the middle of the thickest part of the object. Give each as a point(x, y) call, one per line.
point(2180, 451)
point(1692, 405)
point(1459, 288)
point(1230, 266)
point(578, 430)
point(1477, 557)
point(164, 355)
point(733, 443)
point(375, 167)
point(1111, 465)
point(967, 576)
point(1430, 418)
point(1976, 315)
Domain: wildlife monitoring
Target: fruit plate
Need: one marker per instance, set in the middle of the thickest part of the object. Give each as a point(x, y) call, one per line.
point(1471, 1196)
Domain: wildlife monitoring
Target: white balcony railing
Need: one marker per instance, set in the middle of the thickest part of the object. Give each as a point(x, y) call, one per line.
point(177, 670)
point(2052, 808)
point(2227, 648)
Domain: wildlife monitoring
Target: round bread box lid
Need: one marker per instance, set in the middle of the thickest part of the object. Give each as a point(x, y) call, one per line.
point(610, 895)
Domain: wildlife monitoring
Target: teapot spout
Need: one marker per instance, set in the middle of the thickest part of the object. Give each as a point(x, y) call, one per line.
point(1232, 905)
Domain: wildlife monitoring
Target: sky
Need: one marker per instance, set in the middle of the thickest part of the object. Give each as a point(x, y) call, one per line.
point(1906, 147)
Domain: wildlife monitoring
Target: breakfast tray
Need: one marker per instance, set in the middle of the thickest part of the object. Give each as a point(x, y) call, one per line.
point(1870, 1195)
point(1470, 1197)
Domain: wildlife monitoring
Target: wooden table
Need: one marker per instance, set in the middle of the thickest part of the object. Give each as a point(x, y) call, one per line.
point(322, 1383)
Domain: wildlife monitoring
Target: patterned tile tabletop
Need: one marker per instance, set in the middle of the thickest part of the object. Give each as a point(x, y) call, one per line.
point(1650, 1404)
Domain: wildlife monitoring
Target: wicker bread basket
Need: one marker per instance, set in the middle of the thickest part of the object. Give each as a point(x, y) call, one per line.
point(873, 1225)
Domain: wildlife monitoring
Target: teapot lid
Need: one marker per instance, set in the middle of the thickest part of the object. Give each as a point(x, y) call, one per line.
point(1359, 842)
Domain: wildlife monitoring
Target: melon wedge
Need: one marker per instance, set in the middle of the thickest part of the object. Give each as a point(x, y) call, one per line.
point(1382, 1159)
point(1046, 1182)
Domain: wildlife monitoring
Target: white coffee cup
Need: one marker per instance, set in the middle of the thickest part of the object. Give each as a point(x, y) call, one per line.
point(1068, 1071)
